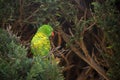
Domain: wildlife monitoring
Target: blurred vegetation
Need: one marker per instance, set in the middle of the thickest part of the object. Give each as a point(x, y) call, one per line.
point(108, 18)
point(45, 70)
point(15, 65)
point(25, 16)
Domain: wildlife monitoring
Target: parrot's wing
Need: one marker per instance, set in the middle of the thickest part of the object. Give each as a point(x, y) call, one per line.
point(40, 44)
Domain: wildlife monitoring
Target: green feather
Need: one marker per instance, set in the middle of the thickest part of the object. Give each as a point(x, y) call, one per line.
point(46, 29)
point(40, 43)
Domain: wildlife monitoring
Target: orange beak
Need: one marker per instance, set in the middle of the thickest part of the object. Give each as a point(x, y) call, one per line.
point(52, 34)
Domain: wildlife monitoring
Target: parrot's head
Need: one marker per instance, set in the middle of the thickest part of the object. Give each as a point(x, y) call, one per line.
point(46, 29)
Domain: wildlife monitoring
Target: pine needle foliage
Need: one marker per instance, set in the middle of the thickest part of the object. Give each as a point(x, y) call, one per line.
point(14, 64)
point(44, 70)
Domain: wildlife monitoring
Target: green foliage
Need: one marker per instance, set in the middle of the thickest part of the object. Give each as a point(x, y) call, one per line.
point(44, 70)
point(37, 12)
point(51, 10)
point(108, 18)
point(14, 65)
point(7, 42)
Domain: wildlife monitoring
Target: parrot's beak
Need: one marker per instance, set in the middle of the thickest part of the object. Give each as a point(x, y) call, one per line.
point(52, 34)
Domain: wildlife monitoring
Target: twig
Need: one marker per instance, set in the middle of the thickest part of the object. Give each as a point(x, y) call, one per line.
point(87, 59)
point(32, 14)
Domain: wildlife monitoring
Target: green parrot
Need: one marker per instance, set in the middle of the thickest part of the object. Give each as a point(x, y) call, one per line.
point(43, 68)
point(40, 43)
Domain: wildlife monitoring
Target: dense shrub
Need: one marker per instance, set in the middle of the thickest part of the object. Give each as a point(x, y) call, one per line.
point(108, 18)
point(44, 70)
point(15, 65)
point(72, 14)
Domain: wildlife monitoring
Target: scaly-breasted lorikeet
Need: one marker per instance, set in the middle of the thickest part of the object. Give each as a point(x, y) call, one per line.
point(40, 43)
point(43, 69)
